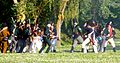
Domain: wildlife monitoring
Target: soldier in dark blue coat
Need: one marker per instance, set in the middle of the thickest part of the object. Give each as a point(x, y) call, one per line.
point(77, 36)
point(46, 39)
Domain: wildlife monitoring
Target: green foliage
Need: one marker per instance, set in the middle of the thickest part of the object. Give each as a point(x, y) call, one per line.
point(117, 35)
point(48, 10)
point(79, 9)
point(105, 8)
point(84, 10)
point(65, 39)
point(72, 9)
point(31, 10)
point(41, 9)
point(5, 11)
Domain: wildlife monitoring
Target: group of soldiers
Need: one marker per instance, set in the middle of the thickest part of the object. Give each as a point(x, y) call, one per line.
point(93, 34)
point(26, 37)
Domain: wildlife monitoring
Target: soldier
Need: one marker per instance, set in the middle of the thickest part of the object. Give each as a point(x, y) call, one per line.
point(4, 33)
point(22, 35)
point(36, 43)
point(53, 37)
point(90, 38)
point(46, 39)
point(77, 38)
point(109, 36)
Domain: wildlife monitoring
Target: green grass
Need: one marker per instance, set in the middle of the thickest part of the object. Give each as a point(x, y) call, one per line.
point(63, 56)
point(117, 35)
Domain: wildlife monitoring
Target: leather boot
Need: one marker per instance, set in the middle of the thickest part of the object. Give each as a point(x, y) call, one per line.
point(104, 49)
point(72, 48)
point(114, 50)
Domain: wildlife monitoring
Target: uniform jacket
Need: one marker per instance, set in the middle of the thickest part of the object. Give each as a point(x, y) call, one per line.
point(4, 33)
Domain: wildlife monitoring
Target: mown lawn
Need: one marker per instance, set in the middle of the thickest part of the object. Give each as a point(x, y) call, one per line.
point(63, 56)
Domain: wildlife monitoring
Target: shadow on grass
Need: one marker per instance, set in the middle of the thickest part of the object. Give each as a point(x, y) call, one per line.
point(111, 48)
point(69, 51)
point(92, 51)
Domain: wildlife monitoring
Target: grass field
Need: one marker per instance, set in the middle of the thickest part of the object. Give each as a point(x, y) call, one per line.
point(63, 56)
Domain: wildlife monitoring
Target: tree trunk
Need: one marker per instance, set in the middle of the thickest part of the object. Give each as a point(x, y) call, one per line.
point(60, 20)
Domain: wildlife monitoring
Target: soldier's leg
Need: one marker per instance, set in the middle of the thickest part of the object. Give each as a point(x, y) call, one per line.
point(39, 45)
point(15, 44)
point(49, 45)
point(95, 46)
point(73, 45)
point(34, 50)
point(111, 40)
point(95, 43)
point(105, 45)
point(18, 46)
point(10, 45)
point(4, 47)
point(100, 46)
point(25, 49)
point(23, 43)
point(87, 40)
point(80, 40)
point(30, 49)
point(53, 42)
point(43, 47)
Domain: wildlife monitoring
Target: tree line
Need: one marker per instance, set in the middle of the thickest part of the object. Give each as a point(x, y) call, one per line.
point(61, 12)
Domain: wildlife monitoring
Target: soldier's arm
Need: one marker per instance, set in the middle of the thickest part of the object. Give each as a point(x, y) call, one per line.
point(79, 29)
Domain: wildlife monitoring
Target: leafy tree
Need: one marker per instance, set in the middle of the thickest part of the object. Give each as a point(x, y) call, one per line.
point(6, 11)
point(61, 12)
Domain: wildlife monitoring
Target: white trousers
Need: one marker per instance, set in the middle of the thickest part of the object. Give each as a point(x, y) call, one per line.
point(87, 41)
point(111, 40)
point(34, 46)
